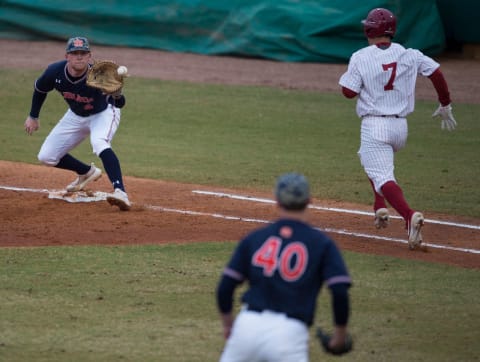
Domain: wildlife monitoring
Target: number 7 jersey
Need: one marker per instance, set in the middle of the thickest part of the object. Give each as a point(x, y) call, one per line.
point(385, 78)
point(286, 264)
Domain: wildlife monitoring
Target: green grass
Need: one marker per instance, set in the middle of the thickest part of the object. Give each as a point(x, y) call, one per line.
point(244, 137)
point(157, 303)
point(92, 304)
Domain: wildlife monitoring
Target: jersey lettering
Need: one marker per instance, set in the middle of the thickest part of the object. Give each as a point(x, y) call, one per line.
point(293, 272)
point(393, 66)
point(267, 257)
point(77, 97)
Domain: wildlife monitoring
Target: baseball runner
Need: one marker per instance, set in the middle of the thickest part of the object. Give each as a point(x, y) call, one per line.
point(90, 113)
point(286, 264)
point(383, 76)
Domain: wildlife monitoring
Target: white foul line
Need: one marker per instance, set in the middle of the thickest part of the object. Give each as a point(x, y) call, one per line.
point(346, 211)
point(238, 218)
point(328, 230)
point(11, 188)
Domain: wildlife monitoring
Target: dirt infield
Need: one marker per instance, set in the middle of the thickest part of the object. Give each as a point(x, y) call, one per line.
point(170, 212)
point(165, 212)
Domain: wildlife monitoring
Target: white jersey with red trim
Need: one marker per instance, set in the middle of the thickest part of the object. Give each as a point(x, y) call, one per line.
point(385, 79)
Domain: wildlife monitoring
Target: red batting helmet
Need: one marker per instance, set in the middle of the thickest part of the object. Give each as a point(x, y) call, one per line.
point(380, 22)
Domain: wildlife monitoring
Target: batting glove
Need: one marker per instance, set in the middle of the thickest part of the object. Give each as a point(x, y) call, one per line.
point(445, 113)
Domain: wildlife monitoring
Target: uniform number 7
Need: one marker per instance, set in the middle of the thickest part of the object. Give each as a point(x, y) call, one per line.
point(267, 257)
point(393, 66)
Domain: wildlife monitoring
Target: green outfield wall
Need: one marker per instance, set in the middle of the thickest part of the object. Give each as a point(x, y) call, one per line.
point(283, 30)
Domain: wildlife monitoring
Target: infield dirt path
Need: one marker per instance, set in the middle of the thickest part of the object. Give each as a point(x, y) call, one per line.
point(165, 212)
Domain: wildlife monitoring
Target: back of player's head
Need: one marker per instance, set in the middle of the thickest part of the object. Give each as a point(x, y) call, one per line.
point(380, 22)
point(292, 191)
point(77, 43)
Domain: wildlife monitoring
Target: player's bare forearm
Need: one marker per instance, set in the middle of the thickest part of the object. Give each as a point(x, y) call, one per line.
point(338, 337)
point(227, 322)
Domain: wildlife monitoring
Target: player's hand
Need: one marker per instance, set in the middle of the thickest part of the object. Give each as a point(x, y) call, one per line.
point(227, 322)
point(31, 125)
point(339, 343)
point(445, 113)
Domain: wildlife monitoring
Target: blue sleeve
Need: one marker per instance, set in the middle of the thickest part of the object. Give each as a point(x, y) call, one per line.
point(335, 270)
point(46, 82)
point(37, 102)
point(42, 86)
point(239, 264)
point(340, 304)
point(338, 280)
point(225, 291)
point(233, 275)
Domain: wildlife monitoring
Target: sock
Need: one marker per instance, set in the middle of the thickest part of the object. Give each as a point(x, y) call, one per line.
point(112, 168)
point(68, 162)
point(394, 195)
point(379, 202)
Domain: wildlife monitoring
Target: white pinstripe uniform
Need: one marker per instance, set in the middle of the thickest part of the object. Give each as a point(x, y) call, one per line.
point(385, 82)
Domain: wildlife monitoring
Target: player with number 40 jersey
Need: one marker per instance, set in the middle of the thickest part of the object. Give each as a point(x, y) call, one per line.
point(286, 264)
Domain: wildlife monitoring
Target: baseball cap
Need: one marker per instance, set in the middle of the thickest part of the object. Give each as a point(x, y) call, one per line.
point(77, 43)
point(292, 191)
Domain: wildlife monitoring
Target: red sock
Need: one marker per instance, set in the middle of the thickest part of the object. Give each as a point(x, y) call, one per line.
point(394, 195)
point(379, 199)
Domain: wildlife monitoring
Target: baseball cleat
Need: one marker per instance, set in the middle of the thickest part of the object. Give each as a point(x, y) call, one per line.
point(82, 180)
point(382, 218)
point(414, 234)
point(119, 198)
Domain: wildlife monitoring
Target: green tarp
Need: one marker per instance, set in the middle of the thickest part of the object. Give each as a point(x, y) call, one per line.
point(283, 30)
point(460, 20)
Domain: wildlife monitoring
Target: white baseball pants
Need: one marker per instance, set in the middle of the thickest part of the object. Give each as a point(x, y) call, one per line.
point(380, 138)
point(72, 129)
point(266, 337)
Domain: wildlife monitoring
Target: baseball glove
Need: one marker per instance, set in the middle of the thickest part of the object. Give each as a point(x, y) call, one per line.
point(103, 75)
point(325, 340)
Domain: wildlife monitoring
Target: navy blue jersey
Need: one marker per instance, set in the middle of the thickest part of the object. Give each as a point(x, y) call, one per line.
point(286, 264)
point(82, 99)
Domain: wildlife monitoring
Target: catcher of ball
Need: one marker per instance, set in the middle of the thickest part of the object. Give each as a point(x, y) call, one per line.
point(107, 76)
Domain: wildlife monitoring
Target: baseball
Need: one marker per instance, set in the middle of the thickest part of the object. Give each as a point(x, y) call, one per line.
point(122, 70)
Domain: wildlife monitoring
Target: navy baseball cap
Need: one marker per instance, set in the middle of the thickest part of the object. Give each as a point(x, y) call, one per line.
point(292, 191)
point(77, 43)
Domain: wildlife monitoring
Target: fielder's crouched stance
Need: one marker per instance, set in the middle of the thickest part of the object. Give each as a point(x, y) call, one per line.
point(286, 264)
point(91, 112)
